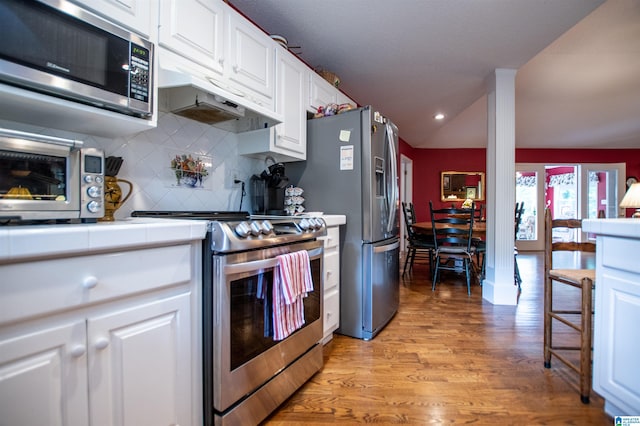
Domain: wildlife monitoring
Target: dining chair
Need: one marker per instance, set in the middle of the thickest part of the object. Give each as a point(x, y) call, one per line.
point(517, 222)
point(479, 244)
point(579, 320)
point(481, 249)
point(419, 246)
point(452, 233)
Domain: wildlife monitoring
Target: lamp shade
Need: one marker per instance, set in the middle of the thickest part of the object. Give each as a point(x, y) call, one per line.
point(631, 199)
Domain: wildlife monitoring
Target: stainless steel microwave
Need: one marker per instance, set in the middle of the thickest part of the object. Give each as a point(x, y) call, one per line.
point(57, 48)
point(49, 178)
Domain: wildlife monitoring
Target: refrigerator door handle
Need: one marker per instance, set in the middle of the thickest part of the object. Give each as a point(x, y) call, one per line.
point(394, 179)
point(385, 248)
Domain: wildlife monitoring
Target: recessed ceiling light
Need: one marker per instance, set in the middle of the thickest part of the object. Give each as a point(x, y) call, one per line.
point(439, 116)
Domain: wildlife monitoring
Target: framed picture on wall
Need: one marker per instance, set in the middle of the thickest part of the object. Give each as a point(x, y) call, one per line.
point(471, 192)
point(446, 182)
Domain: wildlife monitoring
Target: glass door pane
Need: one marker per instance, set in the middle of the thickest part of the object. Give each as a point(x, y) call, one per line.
point(530, 191)
point(604, 189)
point(527, 193)
point(562, 197)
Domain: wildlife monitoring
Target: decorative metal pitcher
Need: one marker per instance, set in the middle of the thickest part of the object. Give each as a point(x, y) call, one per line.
point(113, 196)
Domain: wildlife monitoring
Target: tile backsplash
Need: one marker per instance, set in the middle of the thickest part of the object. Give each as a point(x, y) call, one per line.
point(146, 165)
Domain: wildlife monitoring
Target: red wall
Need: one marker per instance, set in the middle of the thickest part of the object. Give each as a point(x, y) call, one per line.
point(428, 163)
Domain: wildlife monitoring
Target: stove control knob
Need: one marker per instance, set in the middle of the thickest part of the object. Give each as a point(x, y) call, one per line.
point(266, 227)
point(256, 229)
point(242, 229)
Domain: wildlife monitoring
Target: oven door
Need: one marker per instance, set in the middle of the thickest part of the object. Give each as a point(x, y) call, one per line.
point(245, 356)
point(38, 174)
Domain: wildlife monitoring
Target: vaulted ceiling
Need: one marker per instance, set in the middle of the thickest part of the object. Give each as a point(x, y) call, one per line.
point(578, 62)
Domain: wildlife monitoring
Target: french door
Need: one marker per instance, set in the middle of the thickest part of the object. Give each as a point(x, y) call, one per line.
point(530, 190)
point(570, 190)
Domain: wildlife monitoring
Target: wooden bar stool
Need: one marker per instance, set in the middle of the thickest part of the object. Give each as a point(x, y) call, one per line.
point(584, 280)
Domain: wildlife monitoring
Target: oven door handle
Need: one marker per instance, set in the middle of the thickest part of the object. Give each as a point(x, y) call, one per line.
point(255, 265)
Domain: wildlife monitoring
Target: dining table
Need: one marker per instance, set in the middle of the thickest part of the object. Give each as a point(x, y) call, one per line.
point(479, 228)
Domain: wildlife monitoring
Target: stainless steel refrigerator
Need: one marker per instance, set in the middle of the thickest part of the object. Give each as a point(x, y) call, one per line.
point(352, 169)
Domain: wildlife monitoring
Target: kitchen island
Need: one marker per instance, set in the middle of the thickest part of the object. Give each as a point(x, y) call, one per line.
point(616, 344)
point(101, 323)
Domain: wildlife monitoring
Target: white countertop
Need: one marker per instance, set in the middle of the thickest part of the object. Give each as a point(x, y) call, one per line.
point(29, 241)
point(334, 219)
point(622, 227)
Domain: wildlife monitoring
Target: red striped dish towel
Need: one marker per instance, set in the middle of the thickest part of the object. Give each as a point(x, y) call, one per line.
point(292, 281)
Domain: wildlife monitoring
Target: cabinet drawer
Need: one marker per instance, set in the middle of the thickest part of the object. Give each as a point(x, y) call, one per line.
point(615, 253)
point(333, 237)
point(331, 270)
point(45, 286)
point(331, 311)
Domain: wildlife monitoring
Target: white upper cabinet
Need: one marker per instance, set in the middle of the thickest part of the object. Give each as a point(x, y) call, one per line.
point(290, 102)
point(211, 40)
point(286, 141)
point(137, 15)
point(321, 92)
point(194, 29)
point(250, 53)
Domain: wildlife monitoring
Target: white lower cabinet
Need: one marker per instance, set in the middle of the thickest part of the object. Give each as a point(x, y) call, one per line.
point(331, 271)
point(43, 377)
point(109, 342)
point(136, 361)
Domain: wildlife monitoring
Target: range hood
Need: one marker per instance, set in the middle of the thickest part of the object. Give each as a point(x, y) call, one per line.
point(183, 92)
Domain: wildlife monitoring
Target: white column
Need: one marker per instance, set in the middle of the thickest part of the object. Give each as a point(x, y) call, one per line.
point(498, 286)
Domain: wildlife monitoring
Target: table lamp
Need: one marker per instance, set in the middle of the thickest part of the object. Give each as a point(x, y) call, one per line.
point(631, 199)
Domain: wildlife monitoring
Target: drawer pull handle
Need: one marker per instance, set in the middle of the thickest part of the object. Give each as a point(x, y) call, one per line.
point(102, 343)
point(90, 282)
point(78, 351)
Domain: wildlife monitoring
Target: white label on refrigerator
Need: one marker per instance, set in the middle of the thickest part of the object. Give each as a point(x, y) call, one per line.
point(346, 157)
point(345, 135)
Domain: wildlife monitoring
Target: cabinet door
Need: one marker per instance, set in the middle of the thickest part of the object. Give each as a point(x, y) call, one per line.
point(321, 92)
point(250, 53)
point(616, 345)
point(292, 133)
point(43, 377)
point(140, 365)
point(137, 15)
point(194, 29)
point(331, 313)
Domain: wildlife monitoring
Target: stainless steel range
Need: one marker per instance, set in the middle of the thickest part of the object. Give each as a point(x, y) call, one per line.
point(247, 373)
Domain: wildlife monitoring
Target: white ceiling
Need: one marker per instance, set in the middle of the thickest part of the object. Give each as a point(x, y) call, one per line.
point(578, 61)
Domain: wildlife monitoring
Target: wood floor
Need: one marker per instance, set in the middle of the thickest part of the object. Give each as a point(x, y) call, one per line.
point(447, 358)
